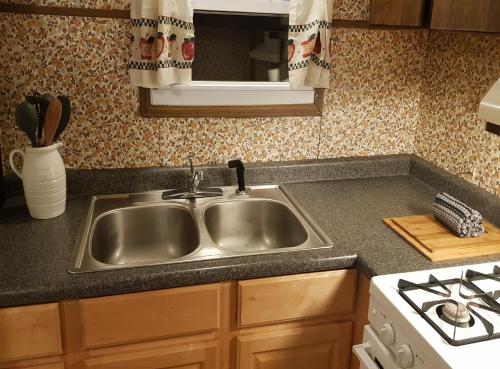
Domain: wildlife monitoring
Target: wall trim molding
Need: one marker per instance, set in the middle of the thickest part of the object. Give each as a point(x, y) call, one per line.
point(65, 11)
point(125, 14)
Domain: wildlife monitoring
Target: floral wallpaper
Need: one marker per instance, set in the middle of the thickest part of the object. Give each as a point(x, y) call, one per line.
point(374, 93)
point(459, 70)
point(85, 59)
point(392, 91)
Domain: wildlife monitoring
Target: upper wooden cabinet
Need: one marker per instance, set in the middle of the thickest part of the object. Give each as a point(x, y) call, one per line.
point(466, 15)
point(398, 12)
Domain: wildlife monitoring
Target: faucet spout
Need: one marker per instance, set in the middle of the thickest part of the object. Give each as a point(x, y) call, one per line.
point(194, 191)
point(240, 174)
point(194, 181)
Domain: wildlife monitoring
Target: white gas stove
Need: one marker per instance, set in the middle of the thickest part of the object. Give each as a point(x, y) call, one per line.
point(434, 319)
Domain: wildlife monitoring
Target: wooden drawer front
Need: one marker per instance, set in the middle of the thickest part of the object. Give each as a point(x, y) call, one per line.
point(140, 316)
point(29, 332)
point(284, 298)
point(190, 356)
point(321, 347)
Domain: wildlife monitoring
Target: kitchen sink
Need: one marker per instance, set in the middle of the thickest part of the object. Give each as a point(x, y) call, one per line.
point(254, 225)
point(143, 234)
point(141, 229)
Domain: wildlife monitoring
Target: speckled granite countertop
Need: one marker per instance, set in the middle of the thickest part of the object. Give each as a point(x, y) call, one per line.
point(34, 255)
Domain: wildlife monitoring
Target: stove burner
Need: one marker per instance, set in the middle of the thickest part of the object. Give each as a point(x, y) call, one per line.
point(455, 314)
point(479, 306)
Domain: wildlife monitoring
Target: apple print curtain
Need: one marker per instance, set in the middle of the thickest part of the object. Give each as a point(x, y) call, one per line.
point(161, 42)
point(309, 34)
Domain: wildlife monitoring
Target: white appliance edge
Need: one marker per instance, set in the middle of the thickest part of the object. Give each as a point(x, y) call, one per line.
point(428, 348)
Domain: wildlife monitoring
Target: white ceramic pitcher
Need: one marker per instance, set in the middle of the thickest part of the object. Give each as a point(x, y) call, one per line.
point(44, 180)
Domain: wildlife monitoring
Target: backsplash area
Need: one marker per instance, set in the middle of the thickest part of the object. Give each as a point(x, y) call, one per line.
point(459, 70)
point(392, 91)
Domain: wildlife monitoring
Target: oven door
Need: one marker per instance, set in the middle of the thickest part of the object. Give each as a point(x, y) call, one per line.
point(372, 353)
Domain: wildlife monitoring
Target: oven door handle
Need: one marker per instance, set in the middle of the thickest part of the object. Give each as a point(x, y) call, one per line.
point(361, 352)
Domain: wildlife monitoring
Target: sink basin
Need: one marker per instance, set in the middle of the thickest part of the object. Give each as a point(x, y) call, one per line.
point(143, 229)
point(254, 225)
point(141, 234)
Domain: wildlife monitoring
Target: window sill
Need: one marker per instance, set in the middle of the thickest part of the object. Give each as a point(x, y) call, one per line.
point(202, 99)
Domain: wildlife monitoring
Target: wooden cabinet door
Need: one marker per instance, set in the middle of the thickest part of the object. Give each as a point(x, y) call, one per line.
point(466, 15)
point(188, 356)
point(397, 12)
point(325, 346)
point(29, 332)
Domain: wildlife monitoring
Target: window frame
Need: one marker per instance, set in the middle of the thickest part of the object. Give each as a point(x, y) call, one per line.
point(148, 110)
point(276, 7)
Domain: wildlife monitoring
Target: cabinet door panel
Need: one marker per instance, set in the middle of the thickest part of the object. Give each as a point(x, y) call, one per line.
point(29, 332)
point(466, 15)
point(189, 356)
point(397, 12)
point(320, 347)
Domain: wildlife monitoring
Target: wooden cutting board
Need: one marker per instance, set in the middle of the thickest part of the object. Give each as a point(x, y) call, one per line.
point(437, 243)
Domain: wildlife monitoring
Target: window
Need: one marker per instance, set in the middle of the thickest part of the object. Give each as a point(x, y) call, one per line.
point(241, 66)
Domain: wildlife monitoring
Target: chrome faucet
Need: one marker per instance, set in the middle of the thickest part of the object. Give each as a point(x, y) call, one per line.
point(195, 178)
point(193, 191)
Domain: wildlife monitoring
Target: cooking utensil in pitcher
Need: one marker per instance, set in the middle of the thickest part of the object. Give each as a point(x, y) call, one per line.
point(45, 101)
point(47, 98)
point(36, 100)
point(27, 120)
point(66, 113)
point(52, 118)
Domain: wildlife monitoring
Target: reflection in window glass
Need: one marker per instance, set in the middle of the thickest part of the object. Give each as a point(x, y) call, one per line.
point(232, 47)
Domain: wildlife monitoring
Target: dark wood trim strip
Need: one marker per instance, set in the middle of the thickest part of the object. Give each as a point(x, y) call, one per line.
point(344, 23)
point(125, 14)
point(493, 128)
point(252, 111)
point(65, 11)
point(361, 24)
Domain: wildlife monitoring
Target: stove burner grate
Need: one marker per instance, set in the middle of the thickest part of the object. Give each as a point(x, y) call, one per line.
point(452, 312)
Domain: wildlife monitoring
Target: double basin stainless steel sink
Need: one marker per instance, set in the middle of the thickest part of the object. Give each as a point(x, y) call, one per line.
point(131, 230)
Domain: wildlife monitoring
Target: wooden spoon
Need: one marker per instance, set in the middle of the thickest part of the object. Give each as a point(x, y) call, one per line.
point(52, 118)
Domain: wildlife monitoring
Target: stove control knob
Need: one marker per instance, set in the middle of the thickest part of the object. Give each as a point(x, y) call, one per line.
point(387, 334)
point(404, 356)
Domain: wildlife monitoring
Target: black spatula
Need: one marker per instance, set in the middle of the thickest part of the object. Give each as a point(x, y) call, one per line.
point(66, 113)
